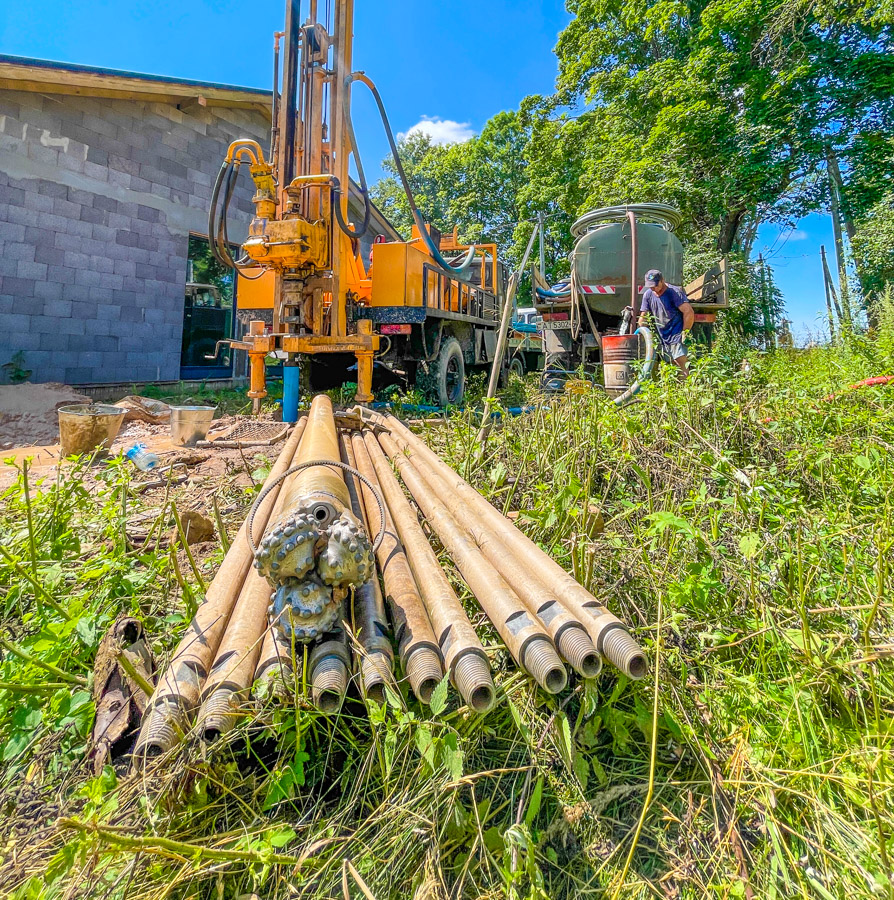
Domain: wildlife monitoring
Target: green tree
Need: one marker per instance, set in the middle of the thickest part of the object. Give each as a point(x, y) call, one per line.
point(476, 185)
point(873, 246)
point(722, 108)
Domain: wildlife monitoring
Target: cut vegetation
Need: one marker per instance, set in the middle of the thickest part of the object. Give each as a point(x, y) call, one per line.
point(740, 522)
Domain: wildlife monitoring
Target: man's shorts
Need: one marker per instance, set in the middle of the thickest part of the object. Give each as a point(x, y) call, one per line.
point(671, 351)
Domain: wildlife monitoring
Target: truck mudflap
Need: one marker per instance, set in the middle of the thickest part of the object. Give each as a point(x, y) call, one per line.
point(485, 346)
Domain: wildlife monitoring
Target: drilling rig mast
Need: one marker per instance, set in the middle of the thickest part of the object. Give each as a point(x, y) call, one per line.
point(300, 229)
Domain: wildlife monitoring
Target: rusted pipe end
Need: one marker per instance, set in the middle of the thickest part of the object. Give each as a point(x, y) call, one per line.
point(329, 684)
point(424, 672)
point(164, 725)
point(473, 680)
point(575, 646)
point(375, 673)
point(219, 714)
point(622, 651)
point(275, 683)
point(543, 664)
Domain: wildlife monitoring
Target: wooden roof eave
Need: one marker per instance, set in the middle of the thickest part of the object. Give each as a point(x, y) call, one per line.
point(47, 80)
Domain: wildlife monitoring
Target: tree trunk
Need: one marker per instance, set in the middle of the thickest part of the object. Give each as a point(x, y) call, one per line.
point(729, 229)
point(841, 213)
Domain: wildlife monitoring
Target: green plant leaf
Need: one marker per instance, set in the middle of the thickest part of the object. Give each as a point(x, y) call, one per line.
point(438, 702)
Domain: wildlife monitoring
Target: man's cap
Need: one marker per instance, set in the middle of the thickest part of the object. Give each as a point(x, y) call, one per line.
point(653, 277)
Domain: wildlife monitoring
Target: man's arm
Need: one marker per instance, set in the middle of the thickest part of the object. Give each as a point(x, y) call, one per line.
point(643, 310)
point(688, 315)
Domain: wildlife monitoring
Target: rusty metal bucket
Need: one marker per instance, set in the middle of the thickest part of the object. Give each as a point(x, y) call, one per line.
point(190, 424)
point(619, 351)
point(85, 427)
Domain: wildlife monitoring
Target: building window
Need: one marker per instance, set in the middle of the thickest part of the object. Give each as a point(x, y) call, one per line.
point(208, 313)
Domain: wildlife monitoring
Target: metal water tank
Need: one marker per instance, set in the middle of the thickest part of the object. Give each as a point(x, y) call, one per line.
point(602, 254)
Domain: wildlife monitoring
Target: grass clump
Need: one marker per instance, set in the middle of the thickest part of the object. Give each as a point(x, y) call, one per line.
point(740, 522)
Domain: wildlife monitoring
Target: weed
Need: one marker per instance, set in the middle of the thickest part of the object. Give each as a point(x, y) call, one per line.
point(739, 522)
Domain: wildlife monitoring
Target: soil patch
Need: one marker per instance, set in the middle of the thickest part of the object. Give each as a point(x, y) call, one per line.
point(28, 412)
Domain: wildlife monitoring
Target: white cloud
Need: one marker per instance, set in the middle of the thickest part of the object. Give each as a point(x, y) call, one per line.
point(440, 131)
point(798, 234)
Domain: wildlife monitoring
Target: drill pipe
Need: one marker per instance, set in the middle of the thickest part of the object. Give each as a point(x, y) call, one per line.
point(229, 681)
point(416, 641)
point(329, 666)
point(377, 660)
point(608, 632)
point(567, 632)
point(524, 637)
point(273, 673)
point(177, 694)
point(462, 651)
point(315, 548)
point(230, 678)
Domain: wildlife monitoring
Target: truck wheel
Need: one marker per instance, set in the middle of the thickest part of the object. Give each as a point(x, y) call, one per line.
point(445, 382)
point(517, 365)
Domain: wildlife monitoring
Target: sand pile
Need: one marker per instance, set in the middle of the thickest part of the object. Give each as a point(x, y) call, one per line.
point(28, 413)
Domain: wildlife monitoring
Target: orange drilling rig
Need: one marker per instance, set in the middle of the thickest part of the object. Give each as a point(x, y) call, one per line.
point(424, 316)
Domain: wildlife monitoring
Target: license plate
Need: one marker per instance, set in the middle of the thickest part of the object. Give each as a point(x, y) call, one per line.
point(557, 325)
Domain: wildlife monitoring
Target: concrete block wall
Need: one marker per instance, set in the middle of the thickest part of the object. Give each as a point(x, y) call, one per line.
point(97, 201)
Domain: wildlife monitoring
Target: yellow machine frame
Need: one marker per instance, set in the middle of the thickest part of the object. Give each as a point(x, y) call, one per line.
point(294, 231)
point(300, 229)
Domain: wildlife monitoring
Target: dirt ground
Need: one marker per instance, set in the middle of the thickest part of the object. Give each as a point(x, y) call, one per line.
point(193, 464)
point(28, 412)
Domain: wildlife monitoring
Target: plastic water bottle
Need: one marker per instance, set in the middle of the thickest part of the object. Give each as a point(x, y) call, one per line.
point(141, 457)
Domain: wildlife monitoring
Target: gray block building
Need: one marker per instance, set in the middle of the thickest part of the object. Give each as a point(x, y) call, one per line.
point(104, 176)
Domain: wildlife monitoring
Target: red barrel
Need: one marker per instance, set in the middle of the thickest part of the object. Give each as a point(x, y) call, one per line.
point(618, 352)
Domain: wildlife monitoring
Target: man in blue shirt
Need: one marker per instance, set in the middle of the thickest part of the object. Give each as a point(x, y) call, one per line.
point(673, 316)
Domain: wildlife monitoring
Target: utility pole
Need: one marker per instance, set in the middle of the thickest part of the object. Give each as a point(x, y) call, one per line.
point(839, 247)
point(836, 179)
point(827, 285)
point(768, 328)
point(542, 248)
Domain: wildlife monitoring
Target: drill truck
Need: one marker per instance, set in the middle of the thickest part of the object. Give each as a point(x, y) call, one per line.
point(426, 309)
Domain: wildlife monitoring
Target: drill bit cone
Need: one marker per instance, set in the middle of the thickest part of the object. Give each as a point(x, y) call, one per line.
point(315, 548)
point(176, 696)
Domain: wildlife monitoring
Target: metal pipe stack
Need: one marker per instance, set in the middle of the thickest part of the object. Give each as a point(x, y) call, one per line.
point(321, 587)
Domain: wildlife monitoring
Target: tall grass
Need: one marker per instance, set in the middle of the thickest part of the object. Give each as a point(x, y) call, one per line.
point(743, 513)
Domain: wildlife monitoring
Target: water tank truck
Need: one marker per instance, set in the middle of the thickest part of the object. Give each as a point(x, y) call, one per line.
point(614, 247)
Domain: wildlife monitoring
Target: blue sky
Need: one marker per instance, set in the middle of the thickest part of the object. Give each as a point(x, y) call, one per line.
point(445, 67)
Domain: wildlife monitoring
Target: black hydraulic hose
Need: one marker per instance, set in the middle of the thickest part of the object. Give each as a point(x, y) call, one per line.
point(222, 233)
point(337, 189)
point(463, 267)
point(218, 235)
point(213, 212)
